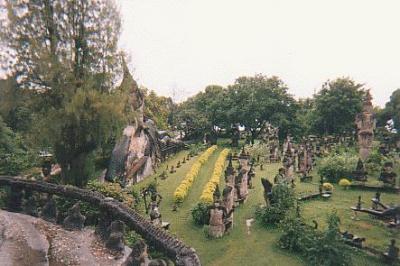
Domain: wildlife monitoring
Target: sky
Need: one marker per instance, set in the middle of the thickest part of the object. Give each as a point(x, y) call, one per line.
point(178, 47)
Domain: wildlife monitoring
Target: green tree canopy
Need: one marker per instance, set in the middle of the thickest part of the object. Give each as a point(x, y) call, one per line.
point(336, 106)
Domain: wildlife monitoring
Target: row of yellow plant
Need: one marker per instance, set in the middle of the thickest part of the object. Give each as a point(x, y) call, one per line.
point(209, 188)
point(183, 188)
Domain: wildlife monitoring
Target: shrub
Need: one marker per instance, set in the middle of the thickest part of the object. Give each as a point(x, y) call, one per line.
point(182, 190)
point(327, 186)
point(209, 188)
point(333, 167)
point(344, 182)
point(318, 247)
point(113, 190)
point(281, 202)
point(374, 162)
point(200, 214)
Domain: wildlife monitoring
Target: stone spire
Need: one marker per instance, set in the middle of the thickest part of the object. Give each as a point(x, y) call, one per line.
point(365, 122)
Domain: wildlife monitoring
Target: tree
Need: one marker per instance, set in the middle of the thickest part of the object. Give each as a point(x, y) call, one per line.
point(66, 53)
point(158, 108)
point(259, 99)
point(336, 106)
point(391, 111)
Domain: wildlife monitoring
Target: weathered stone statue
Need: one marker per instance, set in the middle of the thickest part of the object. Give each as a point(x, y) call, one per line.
point(216, 227)
point(115, 239)
point(280, 177)
point(75, 220)
point(29, 204)
point(251, 174)
point(267, 190)
point(288, 163)
point(155, 215)
point(360, 174)
point(49, 210)
point(139, 150)
point(140, 257)
point(388, 177)
point(228, 204)
point(230, 173)
point(235, 136)
point(365, 122)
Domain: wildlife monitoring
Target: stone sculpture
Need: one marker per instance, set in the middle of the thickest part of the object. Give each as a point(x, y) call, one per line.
point(75, 220)
point(365, 122)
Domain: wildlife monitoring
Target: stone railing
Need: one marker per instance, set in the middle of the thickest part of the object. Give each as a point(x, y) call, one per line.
point(111, 210)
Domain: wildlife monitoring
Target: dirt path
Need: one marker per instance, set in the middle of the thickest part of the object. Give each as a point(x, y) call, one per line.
point(26, 240)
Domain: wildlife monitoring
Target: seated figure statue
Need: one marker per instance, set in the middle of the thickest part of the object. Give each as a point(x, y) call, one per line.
point(388, 177)
point(360, 174)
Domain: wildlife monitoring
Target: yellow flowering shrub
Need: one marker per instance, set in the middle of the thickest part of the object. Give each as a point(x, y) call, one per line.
point(182, 190)
point(209, 188)
point(344, 182)
point(327, 186)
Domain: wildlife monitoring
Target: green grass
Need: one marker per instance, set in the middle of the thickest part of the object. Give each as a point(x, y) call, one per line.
point(259, 248)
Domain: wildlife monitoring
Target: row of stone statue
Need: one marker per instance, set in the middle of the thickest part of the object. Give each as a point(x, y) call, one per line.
point(237, 184)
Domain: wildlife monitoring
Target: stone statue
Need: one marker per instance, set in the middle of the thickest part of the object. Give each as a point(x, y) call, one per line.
point(365, 122)
point(387, 176)
point(267, 190)
point(360, 174)
point(49, 210)
point(280, 177)
point(115, 239)
point(140, 257)
point(216, 227)
point(75, 220)
point(228, 204)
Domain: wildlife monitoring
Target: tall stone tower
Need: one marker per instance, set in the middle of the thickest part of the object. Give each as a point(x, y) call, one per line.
point(365, 122)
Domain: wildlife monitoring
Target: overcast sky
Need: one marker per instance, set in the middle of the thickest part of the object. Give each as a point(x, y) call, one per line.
point(185, 45)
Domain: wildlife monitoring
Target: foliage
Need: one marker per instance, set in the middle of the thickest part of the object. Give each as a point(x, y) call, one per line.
point(375, 161)
point(344, 182)
point(336, 106)
point(250, 102)
point(14, 156)
point(282, 201)
point(183, 188)
point(319, 248)
point(334, 166)
point(131, 237)
point(209, 188)
point(81, 127)
point(200, 214)
point(69, 68)
point(327, 186)
point(91, 212)
point(391, 112)
point(195, 149)
point(113, 190)
point(158, 108)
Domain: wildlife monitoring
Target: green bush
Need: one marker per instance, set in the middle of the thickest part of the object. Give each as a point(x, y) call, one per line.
point(374, 162)
point(334, 167)
point(318, 247)
point(283, 199)
point(200, 214)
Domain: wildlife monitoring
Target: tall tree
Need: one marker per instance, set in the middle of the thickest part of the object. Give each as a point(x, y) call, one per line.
point(66, 52)
point(259, 99)
point(336, 106)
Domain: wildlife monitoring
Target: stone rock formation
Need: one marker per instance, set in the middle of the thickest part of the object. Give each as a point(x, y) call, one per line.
point(138, 151)
point(365, 122)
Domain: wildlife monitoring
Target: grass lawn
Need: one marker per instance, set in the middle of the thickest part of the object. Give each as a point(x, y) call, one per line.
point(259, 248)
